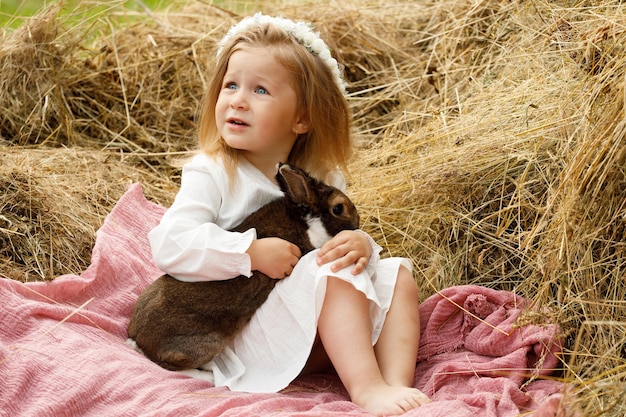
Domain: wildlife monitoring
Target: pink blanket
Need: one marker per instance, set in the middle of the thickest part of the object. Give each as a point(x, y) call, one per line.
point(63, 351)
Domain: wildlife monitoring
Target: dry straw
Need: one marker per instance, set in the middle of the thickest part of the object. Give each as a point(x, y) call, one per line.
point(491, 145)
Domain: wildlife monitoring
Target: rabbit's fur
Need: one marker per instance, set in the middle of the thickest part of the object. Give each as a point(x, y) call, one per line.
point(183, 325)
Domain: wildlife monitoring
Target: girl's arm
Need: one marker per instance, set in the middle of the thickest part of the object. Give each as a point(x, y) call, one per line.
point(188, 244)
point(349, 246)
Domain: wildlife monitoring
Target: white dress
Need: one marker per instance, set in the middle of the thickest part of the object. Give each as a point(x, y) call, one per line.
point(192, 243)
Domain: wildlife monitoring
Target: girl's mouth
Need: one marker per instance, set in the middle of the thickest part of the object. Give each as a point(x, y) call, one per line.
point(236, 122)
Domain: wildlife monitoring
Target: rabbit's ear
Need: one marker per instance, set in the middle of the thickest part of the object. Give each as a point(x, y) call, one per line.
point(295, 184)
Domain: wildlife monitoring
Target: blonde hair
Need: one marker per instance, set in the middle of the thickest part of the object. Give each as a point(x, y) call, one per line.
point(328, 144)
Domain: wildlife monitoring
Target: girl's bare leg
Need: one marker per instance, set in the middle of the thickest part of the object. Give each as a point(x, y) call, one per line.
point(396, 348)
point(345, 331)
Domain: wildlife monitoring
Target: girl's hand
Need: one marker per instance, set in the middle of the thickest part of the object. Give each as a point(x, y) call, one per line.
point(273, 256)
point(346, 248)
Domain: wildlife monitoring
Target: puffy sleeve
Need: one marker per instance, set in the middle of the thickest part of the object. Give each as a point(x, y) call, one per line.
point(188, 243)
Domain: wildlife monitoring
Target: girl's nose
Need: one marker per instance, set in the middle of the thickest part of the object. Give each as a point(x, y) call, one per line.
point(238, 100)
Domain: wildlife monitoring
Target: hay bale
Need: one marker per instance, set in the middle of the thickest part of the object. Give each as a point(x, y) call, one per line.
point(52, 201)
point(517, 181)
point(136, 89)
point(491, 146)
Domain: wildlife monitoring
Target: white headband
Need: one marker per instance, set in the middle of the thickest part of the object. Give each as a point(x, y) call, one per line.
point(300, 31)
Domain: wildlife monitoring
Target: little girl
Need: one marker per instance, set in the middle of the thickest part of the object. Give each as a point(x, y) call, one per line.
point(278, 96)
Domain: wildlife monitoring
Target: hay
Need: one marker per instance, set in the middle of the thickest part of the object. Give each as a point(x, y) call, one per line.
point(491, 145)
point(53, 201)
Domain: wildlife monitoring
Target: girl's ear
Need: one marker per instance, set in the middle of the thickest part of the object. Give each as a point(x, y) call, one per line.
point(303, 123)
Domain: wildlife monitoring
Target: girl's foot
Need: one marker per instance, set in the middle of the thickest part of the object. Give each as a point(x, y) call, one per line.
point(388, 400)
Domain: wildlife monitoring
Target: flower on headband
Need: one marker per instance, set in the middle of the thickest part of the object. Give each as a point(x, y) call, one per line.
point(300, 31)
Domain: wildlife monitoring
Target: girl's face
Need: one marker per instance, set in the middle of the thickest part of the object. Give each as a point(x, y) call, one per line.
point(257, 108)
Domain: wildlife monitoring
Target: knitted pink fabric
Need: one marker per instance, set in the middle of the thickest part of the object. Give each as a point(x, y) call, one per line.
point(63, 351)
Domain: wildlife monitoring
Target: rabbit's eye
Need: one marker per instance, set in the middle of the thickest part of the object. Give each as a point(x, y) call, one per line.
point(338, 209)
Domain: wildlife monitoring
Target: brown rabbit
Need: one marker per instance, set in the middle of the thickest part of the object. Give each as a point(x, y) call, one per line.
point(183, 325)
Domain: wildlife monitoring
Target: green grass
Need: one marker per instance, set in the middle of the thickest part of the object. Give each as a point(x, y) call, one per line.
point(14, 12)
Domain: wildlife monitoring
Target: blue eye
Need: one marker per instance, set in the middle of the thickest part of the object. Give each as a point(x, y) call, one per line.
point(231, 86)
point(261, 90)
